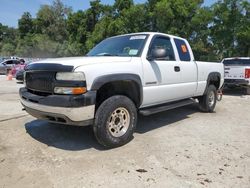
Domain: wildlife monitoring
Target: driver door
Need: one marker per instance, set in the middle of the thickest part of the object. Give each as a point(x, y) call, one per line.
point(162, 77)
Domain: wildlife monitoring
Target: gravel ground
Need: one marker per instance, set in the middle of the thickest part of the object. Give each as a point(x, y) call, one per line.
point(177, 148)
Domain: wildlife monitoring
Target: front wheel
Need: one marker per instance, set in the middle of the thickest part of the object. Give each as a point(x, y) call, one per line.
point(207, 102)
point(115, 121)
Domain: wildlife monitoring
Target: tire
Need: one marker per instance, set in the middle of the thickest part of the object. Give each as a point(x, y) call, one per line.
point(115, 111)
point(208, 101)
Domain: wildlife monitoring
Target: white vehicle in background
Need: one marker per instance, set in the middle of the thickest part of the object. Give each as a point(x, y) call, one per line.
point(237, 72)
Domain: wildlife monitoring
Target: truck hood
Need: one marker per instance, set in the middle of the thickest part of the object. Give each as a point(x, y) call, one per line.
point(82, 61)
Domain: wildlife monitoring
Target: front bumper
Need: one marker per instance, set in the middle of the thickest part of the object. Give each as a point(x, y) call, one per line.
point(73, 110)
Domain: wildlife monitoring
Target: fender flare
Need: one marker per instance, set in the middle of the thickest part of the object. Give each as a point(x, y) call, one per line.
point(212, 77)
point(102, 80)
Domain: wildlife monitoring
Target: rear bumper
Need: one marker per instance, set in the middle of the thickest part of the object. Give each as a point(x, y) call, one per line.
point(237, 82)
point(73, 110)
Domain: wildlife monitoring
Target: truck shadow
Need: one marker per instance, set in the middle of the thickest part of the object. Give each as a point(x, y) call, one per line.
point(62, 136)
point(74, 138)
point(234, 91)
point(155, 121)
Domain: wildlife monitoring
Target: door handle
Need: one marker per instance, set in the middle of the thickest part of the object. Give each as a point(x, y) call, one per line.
point(177, 69)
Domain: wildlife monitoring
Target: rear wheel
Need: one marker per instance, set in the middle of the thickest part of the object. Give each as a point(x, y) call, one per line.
point(115, 121)
point(207, 102)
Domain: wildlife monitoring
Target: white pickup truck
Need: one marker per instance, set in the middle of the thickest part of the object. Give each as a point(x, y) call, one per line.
point(237, 72)
point(121, 76)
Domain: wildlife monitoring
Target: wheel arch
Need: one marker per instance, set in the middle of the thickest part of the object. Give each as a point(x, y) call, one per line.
point(129, 85)
point(213, 78)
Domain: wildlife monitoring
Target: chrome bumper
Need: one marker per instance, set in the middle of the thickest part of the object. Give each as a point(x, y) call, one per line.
point(74, 116)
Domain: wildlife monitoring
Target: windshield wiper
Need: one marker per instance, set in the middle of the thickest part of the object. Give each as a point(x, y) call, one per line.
point(106, 54)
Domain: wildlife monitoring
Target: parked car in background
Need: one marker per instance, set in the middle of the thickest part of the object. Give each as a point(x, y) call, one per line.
point(19, 75)
point(19, 70)
point(17, 67)
point(7, 65)
point(237, 72)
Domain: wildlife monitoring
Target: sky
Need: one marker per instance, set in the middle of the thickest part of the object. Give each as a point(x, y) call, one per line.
point(12, 10)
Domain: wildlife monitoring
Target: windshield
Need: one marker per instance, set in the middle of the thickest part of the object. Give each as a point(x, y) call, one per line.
point(124, 46)
point(237, 62)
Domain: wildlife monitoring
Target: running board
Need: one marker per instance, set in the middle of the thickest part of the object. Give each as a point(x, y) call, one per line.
point(165, 107)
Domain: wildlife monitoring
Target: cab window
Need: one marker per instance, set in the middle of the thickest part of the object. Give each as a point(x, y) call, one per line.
point(165, 43)
point(182, 50)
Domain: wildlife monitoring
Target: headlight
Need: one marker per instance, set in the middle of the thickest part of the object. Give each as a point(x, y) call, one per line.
point(70, 76)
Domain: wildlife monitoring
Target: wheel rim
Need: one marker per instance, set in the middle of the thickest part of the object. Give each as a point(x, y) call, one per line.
point(118, 122)
point(211, 99)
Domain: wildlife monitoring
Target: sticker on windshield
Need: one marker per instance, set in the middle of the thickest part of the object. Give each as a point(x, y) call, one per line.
point(133, 52)
point(138, 37)
point(184, 48)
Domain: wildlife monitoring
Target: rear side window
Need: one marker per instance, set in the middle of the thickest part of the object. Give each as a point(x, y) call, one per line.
point(182, 50)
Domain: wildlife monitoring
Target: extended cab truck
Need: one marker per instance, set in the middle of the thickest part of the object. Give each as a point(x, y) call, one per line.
point(237, 72)
point(121, 76)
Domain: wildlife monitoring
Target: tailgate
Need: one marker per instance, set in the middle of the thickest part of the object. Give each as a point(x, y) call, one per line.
point(235, 72)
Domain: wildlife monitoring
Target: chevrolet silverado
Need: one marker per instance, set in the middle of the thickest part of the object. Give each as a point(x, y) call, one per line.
point(122, 76)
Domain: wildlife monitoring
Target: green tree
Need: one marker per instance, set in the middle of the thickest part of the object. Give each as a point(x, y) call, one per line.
point(200, 35)
point(174, 16)
point(214, 32)
point(121, 5)
point(51, 20)
point(230, 28)
point(243, 31)
point(25, 46)
point(93, 14)
point(77, 30)
point(25, 24)
point(8, 49)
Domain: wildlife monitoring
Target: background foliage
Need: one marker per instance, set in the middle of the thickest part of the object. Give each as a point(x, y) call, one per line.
point(215, 32)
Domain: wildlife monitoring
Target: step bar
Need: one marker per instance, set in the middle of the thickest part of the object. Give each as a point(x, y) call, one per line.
point(168, 106)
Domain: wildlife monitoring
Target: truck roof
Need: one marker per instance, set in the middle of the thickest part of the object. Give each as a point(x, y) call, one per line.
point(150, 33)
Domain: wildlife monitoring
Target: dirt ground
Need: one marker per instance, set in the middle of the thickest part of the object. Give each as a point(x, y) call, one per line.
point(177, 148)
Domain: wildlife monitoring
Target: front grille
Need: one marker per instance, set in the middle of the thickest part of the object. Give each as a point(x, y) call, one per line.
point(40, 81)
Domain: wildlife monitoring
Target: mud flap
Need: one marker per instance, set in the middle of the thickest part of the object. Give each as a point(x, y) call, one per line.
point(219, 95)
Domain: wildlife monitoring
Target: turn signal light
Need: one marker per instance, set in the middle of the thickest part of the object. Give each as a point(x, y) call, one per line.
point(78, 90)
point(70, 90)
point(247, 73)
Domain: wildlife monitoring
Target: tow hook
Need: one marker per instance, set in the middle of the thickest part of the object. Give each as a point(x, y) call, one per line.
point(219, 95)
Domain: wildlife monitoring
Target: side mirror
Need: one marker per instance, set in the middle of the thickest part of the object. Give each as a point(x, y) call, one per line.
point(158, 53)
